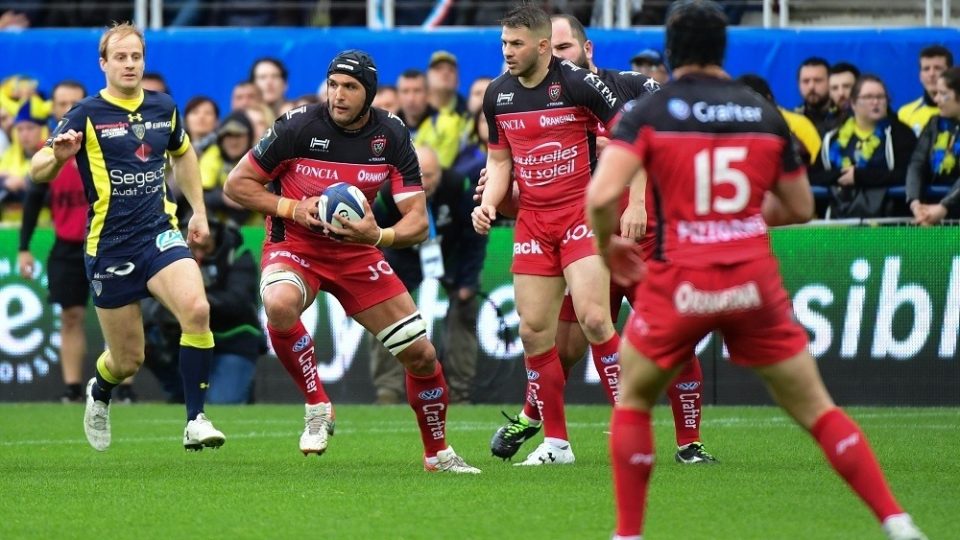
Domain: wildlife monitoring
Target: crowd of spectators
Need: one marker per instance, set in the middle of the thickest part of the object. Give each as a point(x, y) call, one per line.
point(866, 160)
point(322, 13)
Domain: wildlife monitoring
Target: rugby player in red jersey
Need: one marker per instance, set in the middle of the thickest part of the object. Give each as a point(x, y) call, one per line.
point(569, 41)
point(542, 115)
point(723, 168)
point(307, 150)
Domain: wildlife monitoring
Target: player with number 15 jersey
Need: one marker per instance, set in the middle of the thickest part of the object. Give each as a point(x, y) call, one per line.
point(723, 167)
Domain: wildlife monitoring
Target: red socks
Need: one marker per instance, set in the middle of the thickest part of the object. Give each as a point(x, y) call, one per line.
point(686, 401)
point(849, 453)
point(606, 358)
point(632, 455)
point(545, 384)
point(428, 398)
point(294, 348)
point(845, 446)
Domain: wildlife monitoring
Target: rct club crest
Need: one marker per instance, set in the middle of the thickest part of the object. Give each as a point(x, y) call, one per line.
point(139, 130)
point(378, 145)
point(554, 91)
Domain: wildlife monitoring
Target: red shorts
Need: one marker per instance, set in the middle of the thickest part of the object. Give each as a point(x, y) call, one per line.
point(357, 276)
point(676, 307)
point(546, 242)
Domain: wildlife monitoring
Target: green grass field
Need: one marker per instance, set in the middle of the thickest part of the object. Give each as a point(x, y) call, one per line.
point(773, 482)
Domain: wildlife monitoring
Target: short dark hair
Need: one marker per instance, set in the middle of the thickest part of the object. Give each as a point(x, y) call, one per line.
point(388, 87)
point(934, 51)
point(952, 77)
point(197, 101)
point(576, 27)
point(155, 76)
point(412, 73)
point(269, 60)
point(868, 77)
point(69, 83)
point(814, 61)
point(695, 33)
point(844, 67)
point(758, 84)
point(529, 15)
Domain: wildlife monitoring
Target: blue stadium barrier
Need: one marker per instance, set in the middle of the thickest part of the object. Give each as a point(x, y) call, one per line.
point(210, 60)
point(933, 192)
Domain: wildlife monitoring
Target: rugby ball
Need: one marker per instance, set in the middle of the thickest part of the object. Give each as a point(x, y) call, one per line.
point(341, 199)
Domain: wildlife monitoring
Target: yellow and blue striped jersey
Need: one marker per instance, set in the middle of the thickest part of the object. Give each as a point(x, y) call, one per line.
point(121, 160)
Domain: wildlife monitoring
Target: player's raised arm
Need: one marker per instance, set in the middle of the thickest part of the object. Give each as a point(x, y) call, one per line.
point(64, 142)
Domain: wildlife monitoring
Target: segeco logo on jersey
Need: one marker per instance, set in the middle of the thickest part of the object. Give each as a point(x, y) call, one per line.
point(30, 329)
point(546, 162)
point(125, 183)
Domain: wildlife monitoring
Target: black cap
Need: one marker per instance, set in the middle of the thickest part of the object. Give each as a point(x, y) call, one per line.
point(359, 65)
point(696, 33)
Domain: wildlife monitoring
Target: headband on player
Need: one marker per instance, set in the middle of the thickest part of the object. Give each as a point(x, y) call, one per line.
point(359, 65)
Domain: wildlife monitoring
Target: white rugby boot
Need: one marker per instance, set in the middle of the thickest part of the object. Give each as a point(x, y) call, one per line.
point(549, 453)
point(448, 461)
point(318, 427)
point(901, 527)
point(96, 420)
point(200, 433)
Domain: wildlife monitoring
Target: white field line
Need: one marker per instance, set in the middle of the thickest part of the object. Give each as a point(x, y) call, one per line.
point(392, 427)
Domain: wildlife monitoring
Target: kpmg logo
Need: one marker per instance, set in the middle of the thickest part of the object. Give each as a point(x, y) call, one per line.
point(605, 92)
point(301, 343)
point(688, 386)
point(532, 375)
point(430, 395)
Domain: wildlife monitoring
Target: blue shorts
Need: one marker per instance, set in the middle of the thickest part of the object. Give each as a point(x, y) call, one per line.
point(119, 280)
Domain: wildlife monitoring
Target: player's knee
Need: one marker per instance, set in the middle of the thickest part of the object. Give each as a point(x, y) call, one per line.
point(280, 315)
point(406, 340)
point(596, 324)
point(283, 293)
point(71, 319)
point(420, 358)
point(196, 316)
point(127, 363)
point(535, 336)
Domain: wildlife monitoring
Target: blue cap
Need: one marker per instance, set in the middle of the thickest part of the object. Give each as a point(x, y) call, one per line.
point(649, 56)
point(29, 113)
